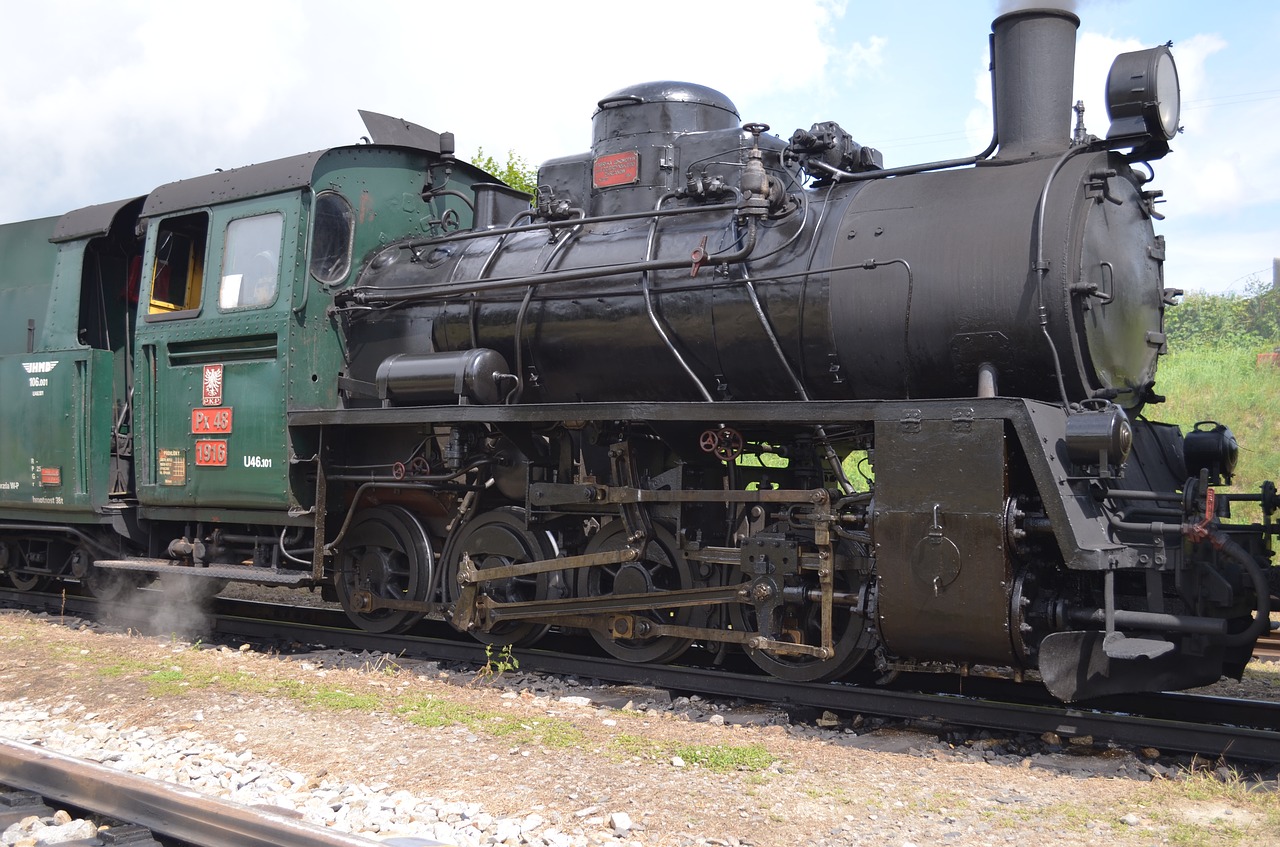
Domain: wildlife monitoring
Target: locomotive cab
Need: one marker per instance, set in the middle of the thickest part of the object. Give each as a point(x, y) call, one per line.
point(159, 363)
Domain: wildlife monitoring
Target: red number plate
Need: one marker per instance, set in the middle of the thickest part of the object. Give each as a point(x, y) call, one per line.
point(211, 421)
point(211, 454)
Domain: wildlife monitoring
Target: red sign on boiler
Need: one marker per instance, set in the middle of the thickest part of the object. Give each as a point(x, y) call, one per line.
point(616, 169)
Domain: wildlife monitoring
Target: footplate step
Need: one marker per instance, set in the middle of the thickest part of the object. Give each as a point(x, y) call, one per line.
point(243, 573)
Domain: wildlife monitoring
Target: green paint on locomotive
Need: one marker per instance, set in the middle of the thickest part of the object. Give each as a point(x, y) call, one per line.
point(25, 274)
point(56, 390)
point(162, 366)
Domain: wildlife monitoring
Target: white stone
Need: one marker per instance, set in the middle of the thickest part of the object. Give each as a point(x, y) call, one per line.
point(506, 829)
point(73, 831)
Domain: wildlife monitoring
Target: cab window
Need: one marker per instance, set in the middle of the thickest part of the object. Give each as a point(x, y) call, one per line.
point(178, 273)
point(332, 231)
point(251, 262)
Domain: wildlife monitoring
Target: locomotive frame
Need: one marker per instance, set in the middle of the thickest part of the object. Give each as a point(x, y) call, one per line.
point(375, 371)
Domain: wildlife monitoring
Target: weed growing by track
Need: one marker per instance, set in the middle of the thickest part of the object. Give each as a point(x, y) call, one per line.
point(720, 758)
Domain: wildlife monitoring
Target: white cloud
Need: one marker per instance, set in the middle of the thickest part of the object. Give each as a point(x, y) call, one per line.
point(1230, 149)
point(140, 92)
point(136, 93)
point(863, 59)
point(978, 122)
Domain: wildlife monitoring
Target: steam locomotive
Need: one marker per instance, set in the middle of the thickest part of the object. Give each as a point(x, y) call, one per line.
point(709, 388)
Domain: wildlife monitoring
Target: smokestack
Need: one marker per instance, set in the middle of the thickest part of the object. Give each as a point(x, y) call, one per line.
point(1034, 61)
point(1275, 274)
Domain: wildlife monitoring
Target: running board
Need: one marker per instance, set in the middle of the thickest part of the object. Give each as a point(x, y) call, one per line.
point(239, 573)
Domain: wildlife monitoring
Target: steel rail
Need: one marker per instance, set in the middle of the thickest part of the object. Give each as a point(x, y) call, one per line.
point(1268, 648)
point(1254, 737)
point(163, 808)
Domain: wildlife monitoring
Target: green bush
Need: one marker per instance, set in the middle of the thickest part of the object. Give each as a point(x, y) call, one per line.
point(515, 172)
point(1248, 320)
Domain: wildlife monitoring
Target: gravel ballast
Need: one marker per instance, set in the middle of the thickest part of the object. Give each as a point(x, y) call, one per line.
point(391, 748)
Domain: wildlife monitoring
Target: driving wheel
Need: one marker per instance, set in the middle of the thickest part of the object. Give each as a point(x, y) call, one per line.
point(496, 539)
point(800, 622)
point(661, 569)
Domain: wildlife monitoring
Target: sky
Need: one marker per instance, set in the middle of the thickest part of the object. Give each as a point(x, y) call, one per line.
point(103, 101)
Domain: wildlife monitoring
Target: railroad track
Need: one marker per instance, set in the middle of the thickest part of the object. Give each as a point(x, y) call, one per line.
point(1268, 648)
point(142, 808)
point(1213, 726)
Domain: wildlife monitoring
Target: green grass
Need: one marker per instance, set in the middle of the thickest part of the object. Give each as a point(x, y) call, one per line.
point(724, 758)
point(177, 680)
point(337, 700)
point(122, 667)
point(1194, 835)
point(166, 682)
point(719, 758)
point(1224, 384)
point(542, 731)
point(432, 712)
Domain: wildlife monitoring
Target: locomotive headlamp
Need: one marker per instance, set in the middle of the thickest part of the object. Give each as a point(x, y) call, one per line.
point(1100, 436)
point(1211, 446)
point(1143, 97)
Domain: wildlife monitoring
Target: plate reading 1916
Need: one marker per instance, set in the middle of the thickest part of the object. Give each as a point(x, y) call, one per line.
point(211, 454)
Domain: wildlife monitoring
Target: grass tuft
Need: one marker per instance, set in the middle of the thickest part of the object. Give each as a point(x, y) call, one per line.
point(719, 758)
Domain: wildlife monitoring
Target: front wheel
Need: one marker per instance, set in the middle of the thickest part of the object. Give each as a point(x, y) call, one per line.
point(388, 553)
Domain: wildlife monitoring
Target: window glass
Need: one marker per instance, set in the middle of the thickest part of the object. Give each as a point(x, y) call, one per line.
point(178, 273)
point(251, 262)
point(332, 230)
